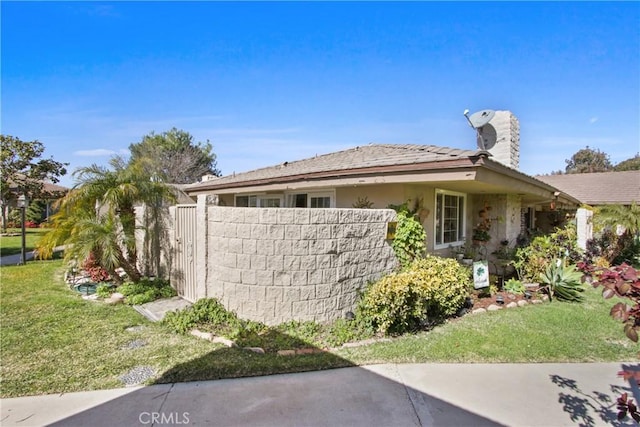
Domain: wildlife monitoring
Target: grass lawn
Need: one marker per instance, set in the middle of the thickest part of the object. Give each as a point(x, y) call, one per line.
point(53, 341)
point(10, 245)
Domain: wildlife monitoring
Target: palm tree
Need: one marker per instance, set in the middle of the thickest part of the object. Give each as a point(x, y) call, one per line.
point(627, 217)
point(98, 215)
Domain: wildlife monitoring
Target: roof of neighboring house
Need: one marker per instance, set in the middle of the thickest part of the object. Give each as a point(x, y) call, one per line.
point(358, 158)
point(599, 188)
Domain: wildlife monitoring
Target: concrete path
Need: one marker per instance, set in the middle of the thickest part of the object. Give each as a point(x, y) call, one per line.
point(379, 395)
point(16, 259)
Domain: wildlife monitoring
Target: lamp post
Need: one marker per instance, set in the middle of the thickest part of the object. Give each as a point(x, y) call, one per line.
point(23, 202)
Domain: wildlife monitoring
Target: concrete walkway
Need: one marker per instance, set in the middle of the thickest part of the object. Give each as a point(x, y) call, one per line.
point(16, 259)
point(379, 395)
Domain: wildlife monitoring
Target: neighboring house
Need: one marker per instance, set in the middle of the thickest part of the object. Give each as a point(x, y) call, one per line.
point(453, 190)
point(596, 189)
point(601, 188)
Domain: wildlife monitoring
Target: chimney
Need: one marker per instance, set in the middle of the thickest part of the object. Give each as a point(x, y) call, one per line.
point(505, 148)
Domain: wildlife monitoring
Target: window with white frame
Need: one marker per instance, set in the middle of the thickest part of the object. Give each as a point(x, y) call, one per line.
point(246, 201)
point(449, 218)
point(325, 199)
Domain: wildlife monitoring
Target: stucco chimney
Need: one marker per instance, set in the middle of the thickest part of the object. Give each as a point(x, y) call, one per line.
point(505, 145)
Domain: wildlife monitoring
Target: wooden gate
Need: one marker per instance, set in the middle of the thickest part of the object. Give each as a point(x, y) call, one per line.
point(184, 271)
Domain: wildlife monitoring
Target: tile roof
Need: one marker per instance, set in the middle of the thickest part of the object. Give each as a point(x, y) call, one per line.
point(371, 155)
point(598, 188)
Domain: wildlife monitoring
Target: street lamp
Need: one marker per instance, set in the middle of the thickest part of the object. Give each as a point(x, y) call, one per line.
point(23, 202)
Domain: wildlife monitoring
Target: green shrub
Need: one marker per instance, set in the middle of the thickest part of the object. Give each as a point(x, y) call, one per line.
point(430, 289)
point(146, 290)
point(532, 261)
point(206, 311)
point(105, 290)
point(409, 242)
point(514, 286)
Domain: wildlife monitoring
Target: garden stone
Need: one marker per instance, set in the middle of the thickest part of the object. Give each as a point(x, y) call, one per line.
point(286, 352)
point(512, 304)
point(479, 310)
point(522, 303)
point(203, 335)
point(258, 350)
point(225, 341)
point(494, 307)
point(536, 301)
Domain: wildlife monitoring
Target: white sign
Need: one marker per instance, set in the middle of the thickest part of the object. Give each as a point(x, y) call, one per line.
point(480, 274)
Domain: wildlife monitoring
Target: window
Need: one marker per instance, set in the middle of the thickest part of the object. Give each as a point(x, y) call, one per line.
point(263, 201)
point(449, 218)
point(320, 202)
point(270, 202)
point(324, 199)
point(246, 201)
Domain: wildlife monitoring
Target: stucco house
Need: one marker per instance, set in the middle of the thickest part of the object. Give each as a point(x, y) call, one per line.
point(452, 189)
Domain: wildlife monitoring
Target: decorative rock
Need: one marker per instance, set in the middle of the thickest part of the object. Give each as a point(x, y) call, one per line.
point(479, 310)
point(137, 375)
point(494, 307)
point(258, 350)
point(203, 335)
point(512, 304)
point(225, 341)
point(307, 351)
point(286, 352)
point(115, 298)
point(522, 303)
point(545, 297)
point(93, 297)
point(135, 344)
point(536, 301)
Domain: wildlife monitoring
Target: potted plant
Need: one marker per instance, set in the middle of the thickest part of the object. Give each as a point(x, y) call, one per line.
point(481, 234)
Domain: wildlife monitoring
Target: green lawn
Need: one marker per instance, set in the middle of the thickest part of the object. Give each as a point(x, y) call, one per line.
point(53, 341)
point(10, 245)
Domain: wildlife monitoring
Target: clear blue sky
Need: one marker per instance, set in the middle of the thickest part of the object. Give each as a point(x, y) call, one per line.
point(274, 82)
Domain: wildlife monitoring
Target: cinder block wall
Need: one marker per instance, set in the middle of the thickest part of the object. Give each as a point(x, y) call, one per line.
point(275, 264)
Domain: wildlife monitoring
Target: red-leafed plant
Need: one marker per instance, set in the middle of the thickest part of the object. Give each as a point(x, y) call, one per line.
point(622, 281)
point(95, 271)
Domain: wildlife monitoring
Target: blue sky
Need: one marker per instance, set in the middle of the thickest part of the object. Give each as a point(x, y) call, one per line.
point(273, 82)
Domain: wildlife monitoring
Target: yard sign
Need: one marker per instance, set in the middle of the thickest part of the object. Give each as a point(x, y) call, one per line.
point(480, 274)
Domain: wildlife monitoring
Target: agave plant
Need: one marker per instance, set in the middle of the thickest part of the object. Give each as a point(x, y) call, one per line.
point(562, 282)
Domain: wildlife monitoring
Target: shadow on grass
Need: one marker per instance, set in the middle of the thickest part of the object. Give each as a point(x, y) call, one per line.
point(583, 406)
point(353, 396)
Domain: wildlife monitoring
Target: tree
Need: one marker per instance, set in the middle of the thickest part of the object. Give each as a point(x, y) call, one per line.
point(23, 172)
point(97, 217)
point(588, 160)
point(175, 157)
point(632, 164)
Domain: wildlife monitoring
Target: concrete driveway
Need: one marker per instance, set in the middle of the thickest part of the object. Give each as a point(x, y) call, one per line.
point(378, 395)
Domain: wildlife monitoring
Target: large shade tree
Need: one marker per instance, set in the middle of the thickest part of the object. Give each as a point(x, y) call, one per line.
point(175, 157)
point(23, 171)
point(588, 160)
point(97, 217)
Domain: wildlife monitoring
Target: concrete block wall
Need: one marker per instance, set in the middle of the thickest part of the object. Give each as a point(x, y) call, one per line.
point(279, 264)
